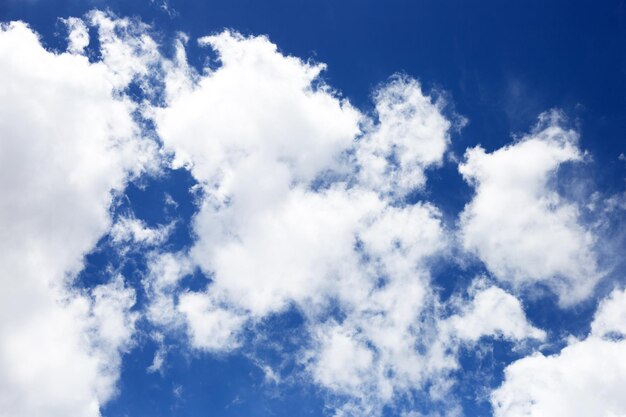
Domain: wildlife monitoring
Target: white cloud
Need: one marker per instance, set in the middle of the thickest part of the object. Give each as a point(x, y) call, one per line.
point(128, 229)
point(344, 361)
point(389, 317)
point(303, 209)
point(211, 327)
point(491, 312)
point(397, 342)
point(518, 224)
point(78, 36)
point(164, 273)
point(256, 113)
point(262, 136)
point(412, 134)
point(66, 143)
point(62, 357)
point(110, 310)
point(159, 356)
point(127, 49)
point(586, 378)
point(611, 315)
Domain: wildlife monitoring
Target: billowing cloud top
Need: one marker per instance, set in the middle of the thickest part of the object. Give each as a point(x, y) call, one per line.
point(304, 204)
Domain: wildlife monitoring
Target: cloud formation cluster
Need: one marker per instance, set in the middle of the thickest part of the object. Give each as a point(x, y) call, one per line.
point(303, 206)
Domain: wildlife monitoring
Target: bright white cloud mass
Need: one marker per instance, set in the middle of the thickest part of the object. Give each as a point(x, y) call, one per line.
point(68, 143)
point(304, 203)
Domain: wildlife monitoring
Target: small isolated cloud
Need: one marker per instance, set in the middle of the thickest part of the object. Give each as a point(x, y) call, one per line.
point(130, 230)
point(159, 355)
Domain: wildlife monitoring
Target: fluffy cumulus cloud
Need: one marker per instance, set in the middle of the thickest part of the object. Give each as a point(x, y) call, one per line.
point(518, 224)
point(283, 205)
point(303, 206)
point(491, 312)
point(67, 142)
point(585, 379)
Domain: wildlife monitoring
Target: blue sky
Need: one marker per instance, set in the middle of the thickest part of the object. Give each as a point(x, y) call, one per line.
point(329, 208)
